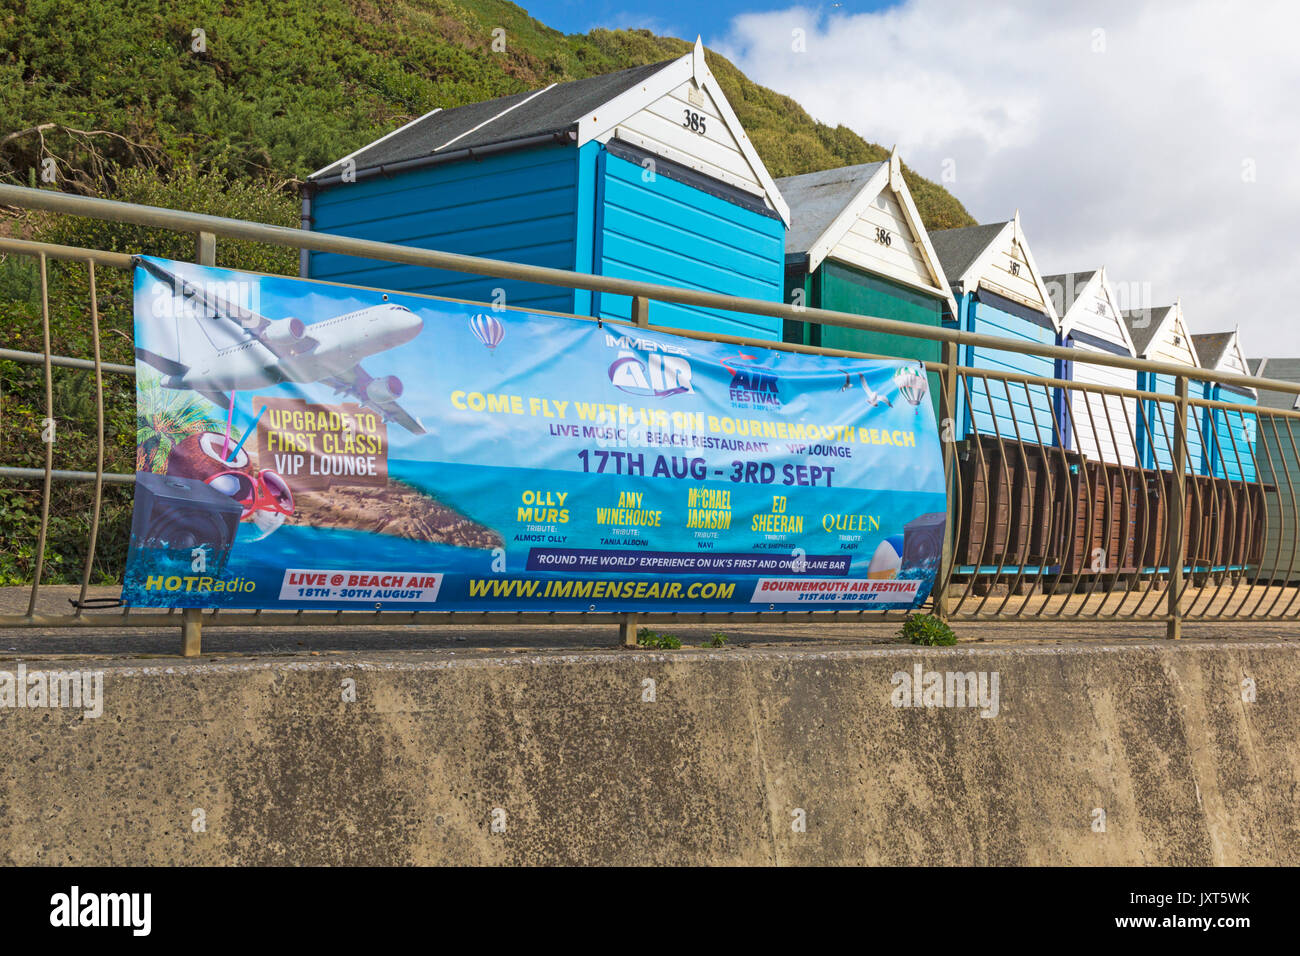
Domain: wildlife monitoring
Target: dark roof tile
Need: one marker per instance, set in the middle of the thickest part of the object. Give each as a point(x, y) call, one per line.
point(958, 249)
point(1071, 285)
point(815, 199)
point(503, 120)
point(1212, 348)
point(1142, 326)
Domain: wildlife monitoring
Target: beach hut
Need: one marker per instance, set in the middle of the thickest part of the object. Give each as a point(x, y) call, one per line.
point(1161, 335)
point(1229, 434)
point(1113, 501)
point(1210, 513)
point(1100, 426)
point(1013, 491)
point(1277, 454)
point(857, 244)
point(643, 174)
point(999, 291)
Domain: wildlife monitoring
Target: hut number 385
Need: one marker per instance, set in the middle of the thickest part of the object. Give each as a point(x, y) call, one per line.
point(694, 122)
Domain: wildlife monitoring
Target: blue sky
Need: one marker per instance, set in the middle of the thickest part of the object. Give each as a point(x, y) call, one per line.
point(679, 18)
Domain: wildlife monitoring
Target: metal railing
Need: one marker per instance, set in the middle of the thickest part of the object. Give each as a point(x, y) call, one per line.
point(1036, 530)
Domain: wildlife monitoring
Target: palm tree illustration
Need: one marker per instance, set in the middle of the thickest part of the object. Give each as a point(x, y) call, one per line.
point(165, 417)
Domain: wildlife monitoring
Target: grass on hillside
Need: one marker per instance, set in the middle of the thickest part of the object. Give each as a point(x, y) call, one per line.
point(271, 92)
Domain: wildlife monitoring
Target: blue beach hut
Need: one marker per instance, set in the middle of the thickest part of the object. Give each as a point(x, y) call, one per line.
point(1229, 434)
point(645, 174)
point(1161, 335)
point(999, 291)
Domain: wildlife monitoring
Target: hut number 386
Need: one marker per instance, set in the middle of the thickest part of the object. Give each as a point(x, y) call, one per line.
point(694, 122)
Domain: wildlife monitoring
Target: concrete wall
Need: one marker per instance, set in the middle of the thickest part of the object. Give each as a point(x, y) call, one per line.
point(709, 772)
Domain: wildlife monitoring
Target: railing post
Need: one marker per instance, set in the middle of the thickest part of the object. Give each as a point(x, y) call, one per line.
point(191, 632)
point(640, 310)
point(628, 627)
point(205, 249)
point(205, 254)
point(47, 433)
point(1177, 509)
point(948, 437)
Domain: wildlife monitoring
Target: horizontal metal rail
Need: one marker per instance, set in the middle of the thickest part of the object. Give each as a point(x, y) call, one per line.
point(160, 618)
point(50, 250)
point(196, 223)
point(57, 474)
point(63, 361)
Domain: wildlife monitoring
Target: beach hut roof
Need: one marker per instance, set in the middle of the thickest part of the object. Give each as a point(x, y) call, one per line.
point(1071, 285)
point(578, 111)
point(1222, 350)
point(972, 257)
point(820, 198)
point(1285, 369)
point(1146, 325)
point(826, 205)
point(1143, 324)
point(1214, 347)
point(1068, 288)
point(960, 249)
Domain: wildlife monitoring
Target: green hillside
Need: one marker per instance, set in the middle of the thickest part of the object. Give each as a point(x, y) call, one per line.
point(271, 92)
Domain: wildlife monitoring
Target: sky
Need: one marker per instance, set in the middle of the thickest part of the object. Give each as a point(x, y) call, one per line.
point(677, 18)
point(1158, 139)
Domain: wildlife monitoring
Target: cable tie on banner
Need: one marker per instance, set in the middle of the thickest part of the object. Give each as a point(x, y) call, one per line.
point(96, 603)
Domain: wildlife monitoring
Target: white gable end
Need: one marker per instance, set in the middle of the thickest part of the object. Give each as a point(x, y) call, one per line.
point(681, 114)
point(880, 239)
point(1096, 313)
point(1172, 343)
point(883, 241)
point(1008, 270)
point(881, 232)
point(1233, 360)
point(687, 127)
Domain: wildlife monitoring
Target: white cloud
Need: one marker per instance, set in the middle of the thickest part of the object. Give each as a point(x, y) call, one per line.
point(1131, 157)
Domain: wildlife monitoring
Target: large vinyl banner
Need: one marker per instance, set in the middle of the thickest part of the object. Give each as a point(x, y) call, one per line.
point(305, 445)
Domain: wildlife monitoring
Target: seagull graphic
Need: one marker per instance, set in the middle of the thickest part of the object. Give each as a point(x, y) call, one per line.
point(874, 398)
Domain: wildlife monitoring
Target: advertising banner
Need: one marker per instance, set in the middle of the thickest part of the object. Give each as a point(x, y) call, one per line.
point(306, 445)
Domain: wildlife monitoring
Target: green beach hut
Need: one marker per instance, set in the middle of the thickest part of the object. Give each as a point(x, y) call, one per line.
point(857, 244)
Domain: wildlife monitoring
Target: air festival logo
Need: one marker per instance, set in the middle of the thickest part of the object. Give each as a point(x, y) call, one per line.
point(663, 371)
point(752, 386)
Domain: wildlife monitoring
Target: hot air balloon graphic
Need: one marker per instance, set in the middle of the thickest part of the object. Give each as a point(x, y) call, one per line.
point(911, 383)
point(487, 329)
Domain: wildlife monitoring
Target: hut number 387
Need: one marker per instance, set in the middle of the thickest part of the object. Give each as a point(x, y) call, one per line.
point(694, 122)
